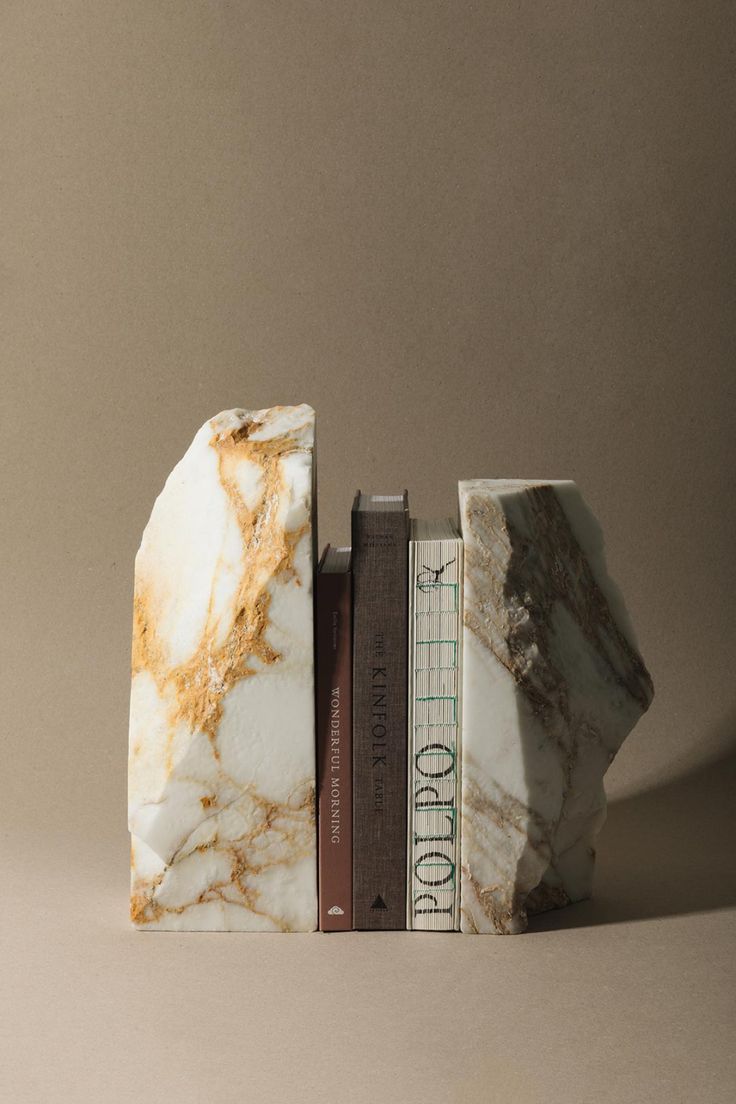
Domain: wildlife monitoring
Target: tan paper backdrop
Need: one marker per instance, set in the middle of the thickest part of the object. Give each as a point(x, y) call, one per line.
point(480, 239)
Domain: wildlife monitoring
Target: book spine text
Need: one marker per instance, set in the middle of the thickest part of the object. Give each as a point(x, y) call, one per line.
point(334, 750)
point(380, 543)
point(435, 641)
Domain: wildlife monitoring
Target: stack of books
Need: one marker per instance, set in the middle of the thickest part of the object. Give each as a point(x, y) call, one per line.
point(388, 680)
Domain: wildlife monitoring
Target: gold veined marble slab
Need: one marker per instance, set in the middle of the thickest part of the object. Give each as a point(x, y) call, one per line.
point(221, 756)
point(552, 684)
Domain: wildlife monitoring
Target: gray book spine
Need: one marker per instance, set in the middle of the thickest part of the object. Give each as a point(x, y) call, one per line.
point(380, 598)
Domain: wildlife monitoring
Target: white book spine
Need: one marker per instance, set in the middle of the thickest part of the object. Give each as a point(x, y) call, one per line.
point(435, 656)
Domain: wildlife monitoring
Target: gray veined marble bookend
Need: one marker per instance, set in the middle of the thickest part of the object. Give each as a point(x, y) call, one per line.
point(553, 682)
point(221, 775)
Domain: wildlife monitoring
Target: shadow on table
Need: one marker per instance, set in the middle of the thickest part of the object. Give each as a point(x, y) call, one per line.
point(666, 852)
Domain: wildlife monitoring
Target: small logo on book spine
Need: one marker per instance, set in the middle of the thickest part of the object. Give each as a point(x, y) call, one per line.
point(379, 904)
point(335, 911)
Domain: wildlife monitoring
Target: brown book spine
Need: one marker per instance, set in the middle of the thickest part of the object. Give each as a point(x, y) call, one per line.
point(334, 749)
point(380, 594)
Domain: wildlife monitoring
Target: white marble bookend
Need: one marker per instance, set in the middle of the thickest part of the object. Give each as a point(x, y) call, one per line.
point(553, 682)
point(222, 762)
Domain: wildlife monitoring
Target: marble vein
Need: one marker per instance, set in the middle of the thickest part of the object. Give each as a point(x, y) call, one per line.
point(553, 682)
point(221, 754)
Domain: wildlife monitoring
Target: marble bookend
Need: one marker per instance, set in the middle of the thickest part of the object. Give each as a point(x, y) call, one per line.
point(222, 761)
point(552, 684)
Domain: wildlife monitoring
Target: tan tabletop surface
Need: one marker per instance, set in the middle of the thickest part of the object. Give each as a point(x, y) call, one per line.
point(626, 998)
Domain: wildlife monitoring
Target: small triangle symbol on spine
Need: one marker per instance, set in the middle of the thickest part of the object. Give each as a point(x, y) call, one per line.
point(379, 903)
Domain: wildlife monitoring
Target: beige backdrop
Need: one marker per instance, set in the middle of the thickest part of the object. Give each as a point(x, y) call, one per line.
point(480, 239)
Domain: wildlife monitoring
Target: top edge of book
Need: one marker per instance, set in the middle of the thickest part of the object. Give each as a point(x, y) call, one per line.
point(335, 561)
point(424, 529)
point(375, 503)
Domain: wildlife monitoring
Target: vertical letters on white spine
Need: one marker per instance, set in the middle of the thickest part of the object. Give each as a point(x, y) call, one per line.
point(435, 647)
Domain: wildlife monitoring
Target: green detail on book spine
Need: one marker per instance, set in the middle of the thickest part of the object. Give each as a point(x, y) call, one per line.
point(435, 635)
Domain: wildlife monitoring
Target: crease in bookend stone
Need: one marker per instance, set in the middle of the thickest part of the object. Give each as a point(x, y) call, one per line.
point(221, 777)
point(553, 682)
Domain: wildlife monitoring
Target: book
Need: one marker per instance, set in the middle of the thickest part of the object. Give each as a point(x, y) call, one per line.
point(333, 632)
point(434, 682)
point(380, 535)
